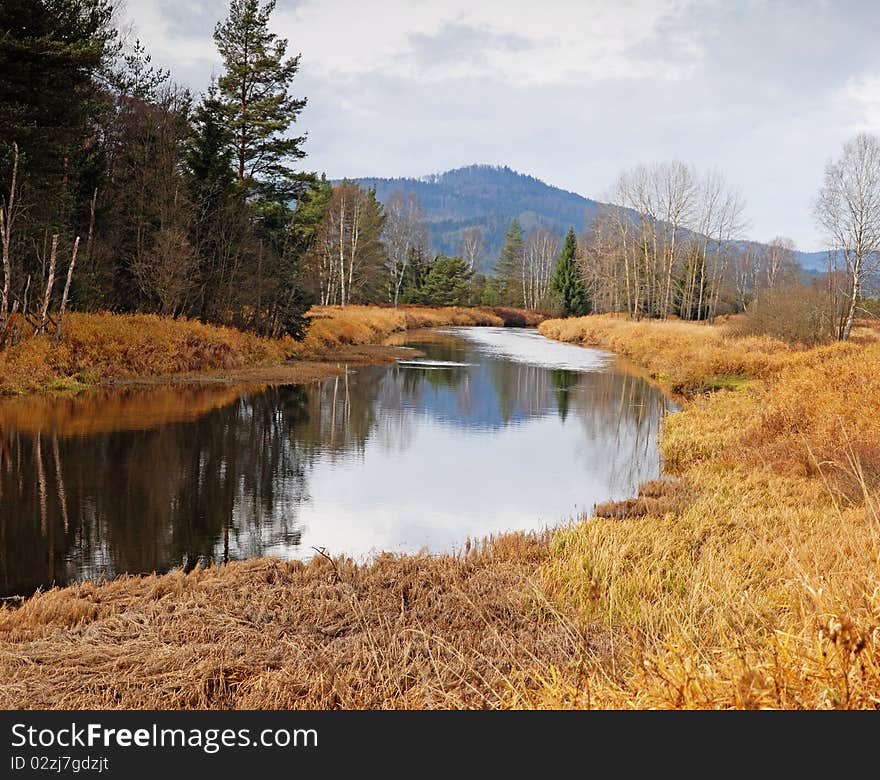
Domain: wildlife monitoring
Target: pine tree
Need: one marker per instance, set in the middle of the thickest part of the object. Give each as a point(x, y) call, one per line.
point(209, 154)
point(447, 283)
point(567, 282)
point(255, 94)
point(508, 269)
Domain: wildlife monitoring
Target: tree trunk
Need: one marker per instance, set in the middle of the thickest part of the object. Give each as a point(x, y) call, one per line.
point(50, 282)
point(66, 289)
point(7, 217)
point(853, 299)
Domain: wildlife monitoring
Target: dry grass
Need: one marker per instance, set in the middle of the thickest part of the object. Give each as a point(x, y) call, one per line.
point(763, 590)
point(689, 358)
point(101, 347)
point(413, 631)
point(334, 326)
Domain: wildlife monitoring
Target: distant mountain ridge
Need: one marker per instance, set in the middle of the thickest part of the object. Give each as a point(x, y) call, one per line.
point(490, 196)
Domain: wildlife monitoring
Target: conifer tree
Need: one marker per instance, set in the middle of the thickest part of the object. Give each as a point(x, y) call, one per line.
point(447, 283)
point(254, 91)
point(567, 282)
point(508, 269)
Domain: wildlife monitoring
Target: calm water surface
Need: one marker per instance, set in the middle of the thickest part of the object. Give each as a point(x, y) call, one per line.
point(489, 430)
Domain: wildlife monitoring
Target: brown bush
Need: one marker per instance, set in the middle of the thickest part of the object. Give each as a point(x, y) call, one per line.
point(796, 314)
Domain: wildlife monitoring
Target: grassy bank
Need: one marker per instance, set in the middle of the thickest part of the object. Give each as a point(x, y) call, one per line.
point(99, 348)
point(754, 582)
point(762, 587)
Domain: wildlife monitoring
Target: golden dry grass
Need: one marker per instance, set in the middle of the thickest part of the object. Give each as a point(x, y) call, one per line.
point(412, 631)
point(764, 589)
point(334, 326)
point(101, 347)
point(687, 357)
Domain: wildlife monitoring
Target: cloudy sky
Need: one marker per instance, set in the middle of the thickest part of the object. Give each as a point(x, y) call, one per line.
point(570, 91)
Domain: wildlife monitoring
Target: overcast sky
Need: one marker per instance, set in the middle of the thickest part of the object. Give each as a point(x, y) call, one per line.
point(569, 91)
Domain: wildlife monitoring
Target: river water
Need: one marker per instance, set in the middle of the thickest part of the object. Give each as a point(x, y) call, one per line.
point(483, 430)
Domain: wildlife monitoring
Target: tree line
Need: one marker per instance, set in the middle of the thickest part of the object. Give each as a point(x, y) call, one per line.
point(177, 204)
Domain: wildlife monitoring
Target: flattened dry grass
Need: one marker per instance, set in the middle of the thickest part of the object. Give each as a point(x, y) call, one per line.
point(412, 631)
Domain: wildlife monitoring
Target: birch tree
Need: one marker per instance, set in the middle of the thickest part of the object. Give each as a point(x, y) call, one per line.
point(348, 256)
point(472, 246)
point(539, 255)
point(404, 231)
point(848, 209)
point(7, 220)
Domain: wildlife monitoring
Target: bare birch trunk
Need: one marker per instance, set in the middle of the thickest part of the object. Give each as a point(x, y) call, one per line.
point(50, 283)
point(66, 289)
point(7, 217)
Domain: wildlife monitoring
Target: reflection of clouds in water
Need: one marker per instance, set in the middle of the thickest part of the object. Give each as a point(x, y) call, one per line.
point(528, 346)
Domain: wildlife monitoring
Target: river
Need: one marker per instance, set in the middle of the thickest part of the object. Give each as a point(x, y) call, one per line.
point(483, 430)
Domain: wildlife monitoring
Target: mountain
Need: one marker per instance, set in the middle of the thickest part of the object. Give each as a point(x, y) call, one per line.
point(489, 197)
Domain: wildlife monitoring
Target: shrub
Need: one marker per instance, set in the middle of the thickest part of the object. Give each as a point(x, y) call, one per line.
point(798, 315)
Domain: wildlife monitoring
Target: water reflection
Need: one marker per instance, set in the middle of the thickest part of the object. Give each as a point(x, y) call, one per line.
point(389, 457)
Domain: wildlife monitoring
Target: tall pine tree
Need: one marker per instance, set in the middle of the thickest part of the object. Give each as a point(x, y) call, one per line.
point(508, 269)
point(567, 282)
point(255, 93)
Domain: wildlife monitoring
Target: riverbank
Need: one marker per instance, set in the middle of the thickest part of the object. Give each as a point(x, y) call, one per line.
point(100, 349)
point(753, 583)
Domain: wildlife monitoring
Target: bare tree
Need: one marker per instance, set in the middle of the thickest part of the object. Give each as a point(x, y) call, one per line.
point(848, 208)
point(167, 270)
point(404, 231)
point(347, 257)
point(66, 289)
point(747, 269)
point(539, 255)
point(472, 246)
point(50, 283)
point(672, 234)
point(779, 260)
point(7, 219)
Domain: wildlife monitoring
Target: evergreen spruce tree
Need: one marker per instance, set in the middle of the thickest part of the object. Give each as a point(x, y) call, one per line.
point(255, 93)
point(508, 269)
point(567, 282)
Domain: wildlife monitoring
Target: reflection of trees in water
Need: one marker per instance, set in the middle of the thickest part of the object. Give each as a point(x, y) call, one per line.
point(339, 414)
point(562, 382)
point(140, 501)
point(621, 415)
